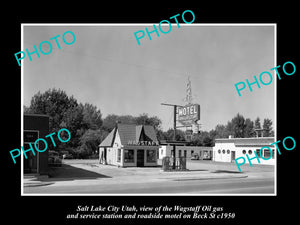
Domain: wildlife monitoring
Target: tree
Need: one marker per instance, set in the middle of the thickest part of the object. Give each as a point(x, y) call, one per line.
point(257, 127)
point(267, 128)
point(203, 139)
point(208, 141)
point(72, 120)
point(238, 126)
point(89, 142)
point(144, 119)
point(249, 128)
point(53, 103)
point(61, 109)
point(196, 140)
point(110, 121)
point(220, 131)
point(229, 129)
point(26, 109)
point(161, 135)
point(257, 123)
point(169, 135)
point(92, 117)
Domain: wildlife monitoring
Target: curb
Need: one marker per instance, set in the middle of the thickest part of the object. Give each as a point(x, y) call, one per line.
point(36, 184)
point(206, 178)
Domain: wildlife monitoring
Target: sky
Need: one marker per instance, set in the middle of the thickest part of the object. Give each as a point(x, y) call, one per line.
point(106, 67)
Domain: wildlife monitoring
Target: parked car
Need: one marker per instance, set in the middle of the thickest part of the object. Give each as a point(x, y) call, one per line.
point(54, 159)
point(206, 155)
point(68, 156)
point(195, 157)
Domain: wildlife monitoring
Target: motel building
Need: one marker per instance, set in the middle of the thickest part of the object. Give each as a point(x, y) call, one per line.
point(182, 150)
point(229, 149)
point(129, 145)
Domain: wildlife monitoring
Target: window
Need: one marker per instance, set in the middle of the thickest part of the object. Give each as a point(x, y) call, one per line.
point(179, 153)
point(129, 156)
point(219, 151)
point(228, 151)
point(192, 151)
point(250, 152)
point(151, 156)
point(119, 155)
point(267, 153)
point(206, 154)
point(223, 151)
point(172, 153)
point(244, 152)
point(257, 153)
point(184, 153)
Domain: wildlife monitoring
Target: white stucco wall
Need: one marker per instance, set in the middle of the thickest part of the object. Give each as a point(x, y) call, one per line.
point(225, 157)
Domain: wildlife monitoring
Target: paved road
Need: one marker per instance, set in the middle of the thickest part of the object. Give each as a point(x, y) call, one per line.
point(183, 186)
point(84, 177)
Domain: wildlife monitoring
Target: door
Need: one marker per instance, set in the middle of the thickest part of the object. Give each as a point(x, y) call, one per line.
point(30, 164)
point(232, 156)
point(140, 158)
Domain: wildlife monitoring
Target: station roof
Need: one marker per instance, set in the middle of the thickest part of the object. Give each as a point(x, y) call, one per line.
point(130, 132)
point(243, 142)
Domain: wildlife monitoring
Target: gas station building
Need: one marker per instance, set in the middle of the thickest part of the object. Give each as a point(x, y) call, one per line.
point(129, 145)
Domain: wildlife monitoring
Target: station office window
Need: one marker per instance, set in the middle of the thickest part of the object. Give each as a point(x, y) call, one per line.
point(128, 155)
point(151, 156)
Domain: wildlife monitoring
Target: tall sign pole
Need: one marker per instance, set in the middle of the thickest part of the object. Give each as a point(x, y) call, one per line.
point(188, 97)
point(174, 137)
point(174, 127)
point(188, 115)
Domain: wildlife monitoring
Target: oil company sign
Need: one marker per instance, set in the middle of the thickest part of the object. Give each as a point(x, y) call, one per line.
point(189, 113)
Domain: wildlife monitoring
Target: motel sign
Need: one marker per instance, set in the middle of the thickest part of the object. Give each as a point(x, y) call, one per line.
point(189, 114)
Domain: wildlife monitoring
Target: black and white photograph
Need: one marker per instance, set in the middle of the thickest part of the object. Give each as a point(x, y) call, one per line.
point(139, 113)
point(158, 117)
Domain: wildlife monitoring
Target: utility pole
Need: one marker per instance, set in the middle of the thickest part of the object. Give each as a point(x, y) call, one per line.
point(174, 127)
